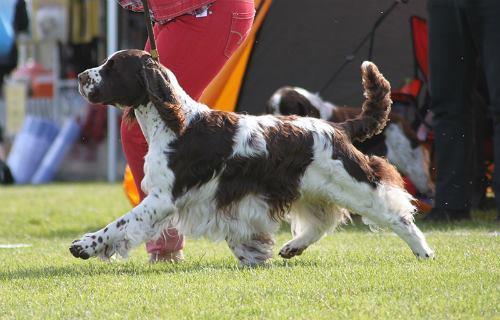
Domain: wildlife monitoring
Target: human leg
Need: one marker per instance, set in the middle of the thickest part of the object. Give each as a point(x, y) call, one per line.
point(451, 60)
point(195, 49)
point(483, 18)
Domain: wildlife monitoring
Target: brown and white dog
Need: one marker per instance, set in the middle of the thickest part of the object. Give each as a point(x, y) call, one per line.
point(234, 177)
point(398, 142)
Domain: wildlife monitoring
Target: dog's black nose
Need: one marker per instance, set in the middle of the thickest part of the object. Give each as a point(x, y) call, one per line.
point(83, 77)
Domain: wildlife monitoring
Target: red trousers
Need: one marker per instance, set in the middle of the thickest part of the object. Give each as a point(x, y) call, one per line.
point(194, 49)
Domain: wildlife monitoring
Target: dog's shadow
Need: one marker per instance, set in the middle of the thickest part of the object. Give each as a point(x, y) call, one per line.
point(126, 268)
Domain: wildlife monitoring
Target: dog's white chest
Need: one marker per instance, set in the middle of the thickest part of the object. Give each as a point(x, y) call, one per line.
point(158, 178)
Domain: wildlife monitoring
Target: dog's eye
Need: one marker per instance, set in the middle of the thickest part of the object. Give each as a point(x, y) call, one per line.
point(110, 63)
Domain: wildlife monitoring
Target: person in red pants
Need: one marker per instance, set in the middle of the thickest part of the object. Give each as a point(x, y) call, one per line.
point(194, 39)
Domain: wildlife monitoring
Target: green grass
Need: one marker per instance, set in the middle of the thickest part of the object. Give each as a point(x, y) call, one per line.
point(351, 274)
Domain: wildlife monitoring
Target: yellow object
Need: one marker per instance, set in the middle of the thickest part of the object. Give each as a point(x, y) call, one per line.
point(222, 93)
point(15, 98)
point(84, 18)
point(154, 54)
point(130, 188)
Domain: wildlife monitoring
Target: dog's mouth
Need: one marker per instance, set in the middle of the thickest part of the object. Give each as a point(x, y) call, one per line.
point(91, 95)
point(94, 96)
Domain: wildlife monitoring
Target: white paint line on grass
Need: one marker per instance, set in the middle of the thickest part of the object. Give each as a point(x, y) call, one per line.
point(14, 245)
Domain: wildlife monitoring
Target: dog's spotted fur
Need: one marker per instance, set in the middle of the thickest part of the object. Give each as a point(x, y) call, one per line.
point(398, 143)
point(234, 177)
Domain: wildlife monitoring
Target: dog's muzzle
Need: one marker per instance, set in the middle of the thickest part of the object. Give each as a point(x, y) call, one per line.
point(88, 87)
point(83, 82)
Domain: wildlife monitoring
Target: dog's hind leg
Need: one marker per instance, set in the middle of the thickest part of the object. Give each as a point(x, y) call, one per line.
point(395, 211)
point(406, 229)
point(255, 251)
point(309, 223)
point(410, 233)
point(144, 222)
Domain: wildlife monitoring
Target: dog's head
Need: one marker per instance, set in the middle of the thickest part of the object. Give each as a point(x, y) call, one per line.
point(292, 101)
point(127, 78)
point(131, 78)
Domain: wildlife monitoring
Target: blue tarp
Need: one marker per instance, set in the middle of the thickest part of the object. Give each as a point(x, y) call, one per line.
point(30, 146)
point(68, 134)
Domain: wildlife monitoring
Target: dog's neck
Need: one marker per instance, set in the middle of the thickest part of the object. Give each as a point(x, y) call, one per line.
point(190, 107)
point(150, 121)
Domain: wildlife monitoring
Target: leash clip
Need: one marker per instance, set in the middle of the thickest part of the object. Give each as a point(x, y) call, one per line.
point(149, 27)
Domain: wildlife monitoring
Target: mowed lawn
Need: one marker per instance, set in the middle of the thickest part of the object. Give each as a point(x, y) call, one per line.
point(351, 274)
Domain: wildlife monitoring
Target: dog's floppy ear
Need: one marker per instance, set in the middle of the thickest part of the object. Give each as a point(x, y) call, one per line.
point(162, 95)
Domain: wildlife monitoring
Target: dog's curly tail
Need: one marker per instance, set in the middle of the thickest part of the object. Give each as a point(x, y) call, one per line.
point(376, 108)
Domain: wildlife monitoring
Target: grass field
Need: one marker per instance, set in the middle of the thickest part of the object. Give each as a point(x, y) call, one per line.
point(351, 274)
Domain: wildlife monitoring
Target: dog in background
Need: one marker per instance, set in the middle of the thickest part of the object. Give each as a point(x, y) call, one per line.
point(234, 177)
point(398, 143)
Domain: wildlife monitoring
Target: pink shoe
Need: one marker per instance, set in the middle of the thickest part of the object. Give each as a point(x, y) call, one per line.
point(172, 257)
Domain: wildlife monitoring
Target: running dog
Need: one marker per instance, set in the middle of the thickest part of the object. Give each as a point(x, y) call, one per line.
point(234, 177)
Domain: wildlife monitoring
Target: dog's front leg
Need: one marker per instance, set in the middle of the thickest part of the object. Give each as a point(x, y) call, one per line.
point(142, 223)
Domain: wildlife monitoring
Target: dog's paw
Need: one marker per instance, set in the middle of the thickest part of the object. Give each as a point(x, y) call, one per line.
point(88, 246)
point(78, 251)
point(95, 245)
point(289, 251)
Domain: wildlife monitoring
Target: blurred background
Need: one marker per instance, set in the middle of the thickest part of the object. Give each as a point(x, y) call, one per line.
point(50, 133)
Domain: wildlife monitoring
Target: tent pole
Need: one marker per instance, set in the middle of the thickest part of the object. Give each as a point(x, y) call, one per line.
point(370, 36)
point(111, 46)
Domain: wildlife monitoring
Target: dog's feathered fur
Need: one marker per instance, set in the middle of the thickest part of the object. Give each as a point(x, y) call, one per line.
point(234, 177)
point(376, 108)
